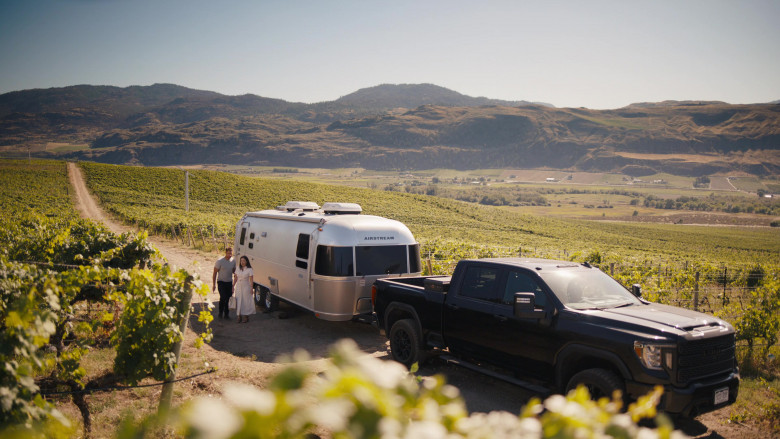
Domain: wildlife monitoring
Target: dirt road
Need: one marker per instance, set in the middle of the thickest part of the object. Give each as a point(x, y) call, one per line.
point(248, 352)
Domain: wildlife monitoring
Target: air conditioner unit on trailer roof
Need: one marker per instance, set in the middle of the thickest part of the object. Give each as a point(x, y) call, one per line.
point(306, 206)
point(342, 208)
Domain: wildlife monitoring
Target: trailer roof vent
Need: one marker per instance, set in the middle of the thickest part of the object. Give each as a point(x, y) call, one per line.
point(342, 208)
point(306, 206)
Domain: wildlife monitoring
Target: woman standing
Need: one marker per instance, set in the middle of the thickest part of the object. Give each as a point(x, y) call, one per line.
point(243, 283)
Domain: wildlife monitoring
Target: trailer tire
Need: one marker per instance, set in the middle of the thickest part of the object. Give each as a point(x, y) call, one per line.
point(599, 382)
point(406, 342)
point(270, 301)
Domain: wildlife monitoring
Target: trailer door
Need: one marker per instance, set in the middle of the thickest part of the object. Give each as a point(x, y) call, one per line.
point(241, 239)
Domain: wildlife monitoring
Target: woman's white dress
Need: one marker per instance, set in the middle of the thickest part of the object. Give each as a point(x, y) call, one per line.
point(245, 302)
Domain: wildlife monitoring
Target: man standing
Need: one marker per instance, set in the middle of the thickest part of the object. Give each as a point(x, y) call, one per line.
point(223, 278)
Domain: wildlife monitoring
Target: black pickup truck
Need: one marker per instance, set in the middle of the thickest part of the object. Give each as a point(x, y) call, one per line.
point(560, 324)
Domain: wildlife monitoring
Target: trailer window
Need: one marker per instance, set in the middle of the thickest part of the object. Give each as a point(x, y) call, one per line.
point(302, 251)
point(334, 261)
point(415, 265)
point(380, 259)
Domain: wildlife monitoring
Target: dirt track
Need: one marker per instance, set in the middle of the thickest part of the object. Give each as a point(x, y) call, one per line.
point(247, 352)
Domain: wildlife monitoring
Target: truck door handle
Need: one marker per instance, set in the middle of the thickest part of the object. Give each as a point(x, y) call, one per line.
point(500, 318)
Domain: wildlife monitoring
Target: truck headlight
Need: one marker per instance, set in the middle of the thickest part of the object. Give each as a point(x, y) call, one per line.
point(652, 355)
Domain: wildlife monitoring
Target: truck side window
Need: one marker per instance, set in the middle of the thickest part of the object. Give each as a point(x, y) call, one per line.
point(519, 282)
point(302, 251)
point(481, 283)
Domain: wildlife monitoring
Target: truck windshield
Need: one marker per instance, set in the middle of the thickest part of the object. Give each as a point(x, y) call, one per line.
point(587, 288)
point(380, 259)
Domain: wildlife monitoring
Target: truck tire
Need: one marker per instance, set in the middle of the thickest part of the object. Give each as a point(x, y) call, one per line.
point(406, 342)
point(599, 382)
point(270, 301)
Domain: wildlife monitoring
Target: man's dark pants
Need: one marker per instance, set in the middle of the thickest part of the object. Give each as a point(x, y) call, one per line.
point(225, 291)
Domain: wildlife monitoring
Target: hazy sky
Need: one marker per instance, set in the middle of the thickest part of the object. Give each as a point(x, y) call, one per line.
point(596, 54)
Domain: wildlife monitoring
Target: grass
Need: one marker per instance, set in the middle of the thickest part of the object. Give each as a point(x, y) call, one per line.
point(758, 402)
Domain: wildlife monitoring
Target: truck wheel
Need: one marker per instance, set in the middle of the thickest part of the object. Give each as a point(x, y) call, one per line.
point(599, 382)
point(270, 301)
point(406, 342)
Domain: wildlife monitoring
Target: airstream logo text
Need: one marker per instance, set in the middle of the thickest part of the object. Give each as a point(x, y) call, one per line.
point(379, 238)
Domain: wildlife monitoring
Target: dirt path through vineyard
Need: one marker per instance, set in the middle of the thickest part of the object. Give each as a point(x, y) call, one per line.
point(248, 352)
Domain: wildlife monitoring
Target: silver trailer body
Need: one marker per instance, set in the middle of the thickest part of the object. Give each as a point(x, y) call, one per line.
point(325, 259)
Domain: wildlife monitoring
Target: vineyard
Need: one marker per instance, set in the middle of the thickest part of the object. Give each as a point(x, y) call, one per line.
point(68, 286)
point(729, 271)
point(71, 284)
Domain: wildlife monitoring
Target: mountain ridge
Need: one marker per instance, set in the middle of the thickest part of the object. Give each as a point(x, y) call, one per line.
point(389, 126)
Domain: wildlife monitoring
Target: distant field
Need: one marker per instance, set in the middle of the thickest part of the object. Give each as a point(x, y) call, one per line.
point(65, 147)
point(697, 158)
point(721, 184)
point(585, 195)
point(747, 184)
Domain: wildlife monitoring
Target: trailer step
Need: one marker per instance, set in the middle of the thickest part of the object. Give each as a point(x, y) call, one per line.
point(536, 388)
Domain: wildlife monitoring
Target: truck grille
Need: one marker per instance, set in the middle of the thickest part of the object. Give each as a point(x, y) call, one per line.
point(705, 358)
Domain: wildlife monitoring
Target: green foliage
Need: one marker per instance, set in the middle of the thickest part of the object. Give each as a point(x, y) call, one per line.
point(360, 396)
point(154, 302)
point(40, 186)
point(77, 261)
point(28, 311)
point(760, 317)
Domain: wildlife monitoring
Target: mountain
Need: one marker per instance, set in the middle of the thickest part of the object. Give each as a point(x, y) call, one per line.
point(390, 96)
point(388, 127)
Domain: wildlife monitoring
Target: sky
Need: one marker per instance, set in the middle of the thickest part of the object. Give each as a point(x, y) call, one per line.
point(597, 54)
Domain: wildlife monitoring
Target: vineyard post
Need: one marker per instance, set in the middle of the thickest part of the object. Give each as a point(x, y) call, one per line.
point(213, 238)
point(166, 395)
point(430, 266)
point(725, 281)
point(173, 233)
point(202, 239)
point(190, 241)
point(611, 268)
point(696, 292)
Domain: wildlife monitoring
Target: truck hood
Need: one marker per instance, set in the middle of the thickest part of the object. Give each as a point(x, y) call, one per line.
point(666, 318)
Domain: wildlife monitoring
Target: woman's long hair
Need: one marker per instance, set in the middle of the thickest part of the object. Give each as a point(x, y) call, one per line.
point(248, 265)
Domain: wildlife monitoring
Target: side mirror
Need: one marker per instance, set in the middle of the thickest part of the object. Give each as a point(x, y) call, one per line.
point(524, 302)
point(524, 307)
point(636, 290)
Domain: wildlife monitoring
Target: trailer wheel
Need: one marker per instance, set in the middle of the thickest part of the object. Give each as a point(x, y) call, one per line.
point(406, 342)
point(599, 382)
point(270, 301)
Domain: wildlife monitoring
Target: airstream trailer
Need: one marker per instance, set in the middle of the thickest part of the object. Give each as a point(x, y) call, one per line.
point(324, 259)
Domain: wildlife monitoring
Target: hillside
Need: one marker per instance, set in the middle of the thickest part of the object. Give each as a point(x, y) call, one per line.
point(388, 127)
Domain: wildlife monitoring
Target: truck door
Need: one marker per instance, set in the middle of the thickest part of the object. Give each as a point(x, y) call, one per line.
point(468, 314)
point(522, 343)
